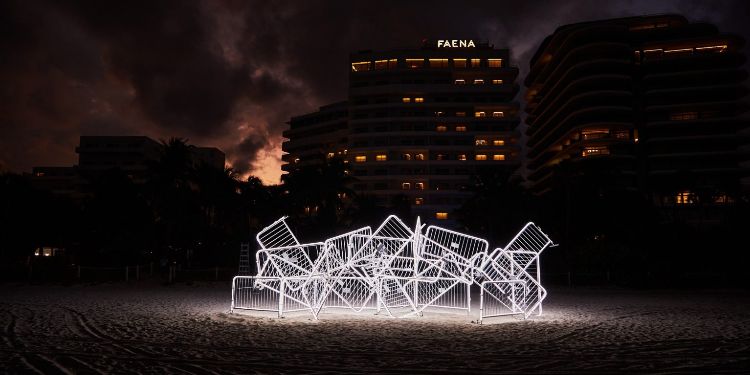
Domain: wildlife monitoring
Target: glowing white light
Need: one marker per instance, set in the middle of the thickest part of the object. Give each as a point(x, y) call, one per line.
point(394, 268)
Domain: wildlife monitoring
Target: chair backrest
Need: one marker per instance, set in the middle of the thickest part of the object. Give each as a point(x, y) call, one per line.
point(277, 234)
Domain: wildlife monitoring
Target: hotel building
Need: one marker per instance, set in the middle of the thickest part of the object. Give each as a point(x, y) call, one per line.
point(657, 102)
point(419, 123)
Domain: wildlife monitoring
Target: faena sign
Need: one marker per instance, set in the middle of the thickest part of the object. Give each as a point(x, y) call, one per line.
point(455, 43)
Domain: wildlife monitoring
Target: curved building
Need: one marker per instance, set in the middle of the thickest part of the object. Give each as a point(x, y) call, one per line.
point(314, 137)
point(654, 104)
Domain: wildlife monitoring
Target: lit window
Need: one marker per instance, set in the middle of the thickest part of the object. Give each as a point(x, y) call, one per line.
point(642, 27)
point(441, 215)
point(495, 63)
point(415, 63)
point(720, 48)
point(498, 157)
point(461, 128)
point(683, 116)
point(462, 157)
point(441, 128)
point(438, 113)
point(684, 197)
point(360, 66)
point(478, 81)
point(475, 63)
point(406, 156)
point(330, 155)
point(381, 157)
point(460, 81)
point(652, 53)
point(594, 133)
point(460, 114)
point(679, 51)
point(381, 64)
point(498, 142)
point(440, 157)
point(405, 186)
point(438, 63)
point(296, 160)
point(360, 158)
point(723, 199)
point(419, 186)
point(591, 151)
point(480, 142)
point(480, 114)
point(621, 134)
point(497, 81)
point(419, 156)
point(459, 63)
point(406, 100)
point(418, 201)
point(498, 114)
point(418, 100)
point(480, 157)
point(385, 64)
point(39, 174)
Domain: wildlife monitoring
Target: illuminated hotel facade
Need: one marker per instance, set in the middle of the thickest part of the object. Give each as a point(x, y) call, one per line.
point(419, 124)
point(657, 102)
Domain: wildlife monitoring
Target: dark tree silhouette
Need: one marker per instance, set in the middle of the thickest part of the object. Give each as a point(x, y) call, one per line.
point(318, 196)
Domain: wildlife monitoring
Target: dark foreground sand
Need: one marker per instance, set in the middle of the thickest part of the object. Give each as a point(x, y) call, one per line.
point(187, 329)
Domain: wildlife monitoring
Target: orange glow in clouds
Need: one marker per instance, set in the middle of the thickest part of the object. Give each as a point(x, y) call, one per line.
point(267, 166)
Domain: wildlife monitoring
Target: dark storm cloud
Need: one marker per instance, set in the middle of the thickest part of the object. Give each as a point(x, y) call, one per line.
point(167, 52)
point(248, 146)
point(231, 73)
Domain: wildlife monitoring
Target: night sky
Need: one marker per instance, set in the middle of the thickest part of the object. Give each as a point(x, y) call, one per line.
point(230, 73)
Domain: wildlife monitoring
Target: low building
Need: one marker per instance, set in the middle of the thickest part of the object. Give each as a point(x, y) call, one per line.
point(131, 154)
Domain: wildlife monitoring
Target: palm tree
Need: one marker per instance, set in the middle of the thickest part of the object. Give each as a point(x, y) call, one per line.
point(319, 195)
point(497, 208)
point(173, 197)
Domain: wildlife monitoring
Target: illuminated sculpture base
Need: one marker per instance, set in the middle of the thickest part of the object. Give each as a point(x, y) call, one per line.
point(393, 269)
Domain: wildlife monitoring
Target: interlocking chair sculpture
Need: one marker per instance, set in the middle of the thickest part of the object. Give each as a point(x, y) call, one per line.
point(395, 268)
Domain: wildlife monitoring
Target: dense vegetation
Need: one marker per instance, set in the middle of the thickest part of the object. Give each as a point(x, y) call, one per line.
point(196, 215)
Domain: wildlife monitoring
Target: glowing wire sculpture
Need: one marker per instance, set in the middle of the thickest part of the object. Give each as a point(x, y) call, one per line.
point(395, 268)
